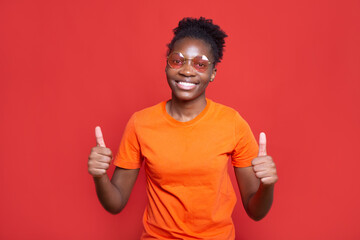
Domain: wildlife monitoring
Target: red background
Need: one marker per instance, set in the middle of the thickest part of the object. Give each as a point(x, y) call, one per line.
point(291, 68)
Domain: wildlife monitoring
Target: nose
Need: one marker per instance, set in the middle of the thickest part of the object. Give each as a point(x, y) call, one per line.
point(187, 69)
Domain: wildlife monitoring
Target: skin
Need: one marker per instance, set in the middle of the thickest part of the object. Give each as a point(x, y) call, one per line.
point(187, 104)
point(114, 194)
point(256, 183)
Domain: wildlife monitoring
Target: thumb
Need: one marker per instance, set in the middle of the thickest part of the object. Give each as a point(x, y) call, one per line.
point(262, 144)
point(99, 137)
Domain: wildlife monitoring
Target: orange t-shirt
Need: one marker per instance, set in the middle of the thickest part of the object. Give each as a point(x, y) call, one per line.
point(189, 190)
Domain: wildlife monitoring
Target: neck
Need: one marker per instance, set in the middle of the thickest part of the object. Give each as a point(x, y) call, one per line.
point(184, 111)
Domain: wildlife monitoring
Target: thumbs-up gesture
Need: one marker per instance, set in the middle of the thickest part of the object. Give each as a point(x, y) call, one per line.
point(100, 156)
point(263, 165)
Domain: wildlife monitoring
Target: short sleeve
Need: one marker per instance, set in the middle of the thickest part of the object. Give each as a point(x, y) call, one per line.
point(246, 147)
point(129, 154)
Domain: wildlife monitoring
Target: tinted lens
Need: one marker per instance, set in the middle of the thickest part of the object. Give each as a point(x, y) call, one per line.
point(176, 60)
point(200, 63)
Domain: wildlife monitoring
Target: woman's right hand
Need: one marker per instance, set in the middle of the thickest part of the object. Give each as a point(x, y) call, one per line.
point(100, 156)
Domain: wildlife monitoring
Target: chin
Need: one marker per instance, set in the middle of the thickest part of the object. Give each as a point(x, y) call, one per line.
point(184, 96)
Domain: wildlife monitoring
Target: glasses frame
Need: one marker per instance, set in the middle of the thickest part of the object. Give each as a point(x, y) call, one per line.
point(186, 59)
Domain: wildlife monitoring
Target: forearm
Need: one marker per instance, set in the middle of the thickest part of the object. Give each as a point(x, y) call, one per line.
point(108, 194)
point(260, 203)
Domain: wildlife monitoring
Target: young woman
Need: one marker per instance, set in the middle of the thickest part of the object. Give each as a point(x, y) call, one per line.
point(185, 144)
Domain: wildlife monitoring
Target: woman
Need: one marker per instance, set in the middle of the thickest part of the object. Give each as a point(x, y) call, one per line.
point(185, 144)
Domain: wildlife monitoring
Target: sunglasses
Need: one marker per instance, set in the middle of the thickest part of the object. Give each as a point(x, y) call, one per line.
point(177, 60)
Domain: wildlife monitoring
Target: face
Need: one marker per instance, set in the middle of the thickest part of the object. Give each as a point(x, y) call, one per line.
point(186, 82)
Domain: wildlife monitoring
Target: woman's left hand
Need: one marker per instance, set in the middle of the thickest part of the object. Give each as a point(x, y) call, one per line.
point(263, 165)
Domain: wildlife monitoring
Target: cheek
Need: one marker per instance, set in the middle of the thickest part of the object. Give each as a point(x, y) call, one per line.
point(167, 74)
point(168, 77)
point(168, 71)
point(170, 74)
point(205, 77)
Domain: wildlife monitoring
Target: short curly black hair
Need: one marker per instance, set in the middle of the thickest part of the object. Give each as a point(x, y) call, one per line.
point(203, 29)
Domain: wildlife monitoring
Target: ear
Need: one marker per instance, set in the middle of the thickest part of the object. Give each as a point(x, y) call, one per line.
point(213, 74)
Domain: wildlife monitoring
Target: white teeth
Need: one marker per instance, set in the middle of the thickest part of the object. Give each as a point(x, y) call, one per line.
point(186, 83)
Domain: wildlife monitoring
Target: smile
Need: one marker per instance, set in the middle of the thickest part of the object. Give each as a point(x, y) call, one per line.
point(185, 85)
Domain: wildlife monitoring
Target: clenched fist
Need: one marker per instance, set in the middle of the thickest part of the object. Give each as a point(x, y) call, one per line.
point(263, 165)
point(100, 156)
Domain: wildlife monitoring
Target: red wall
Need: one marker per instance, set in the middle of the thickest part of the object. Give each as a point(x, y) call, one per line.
point(291, 68)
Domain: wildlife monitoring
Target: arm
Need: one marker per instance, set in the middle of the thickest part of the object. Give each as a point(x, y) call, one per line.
point(113, 195)
point(256, 197)
point(256, 183)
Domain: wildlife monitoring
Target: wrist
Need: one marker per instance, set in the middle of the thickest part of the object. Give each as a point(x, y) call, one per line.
point(266, 187)
point(102, 178)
